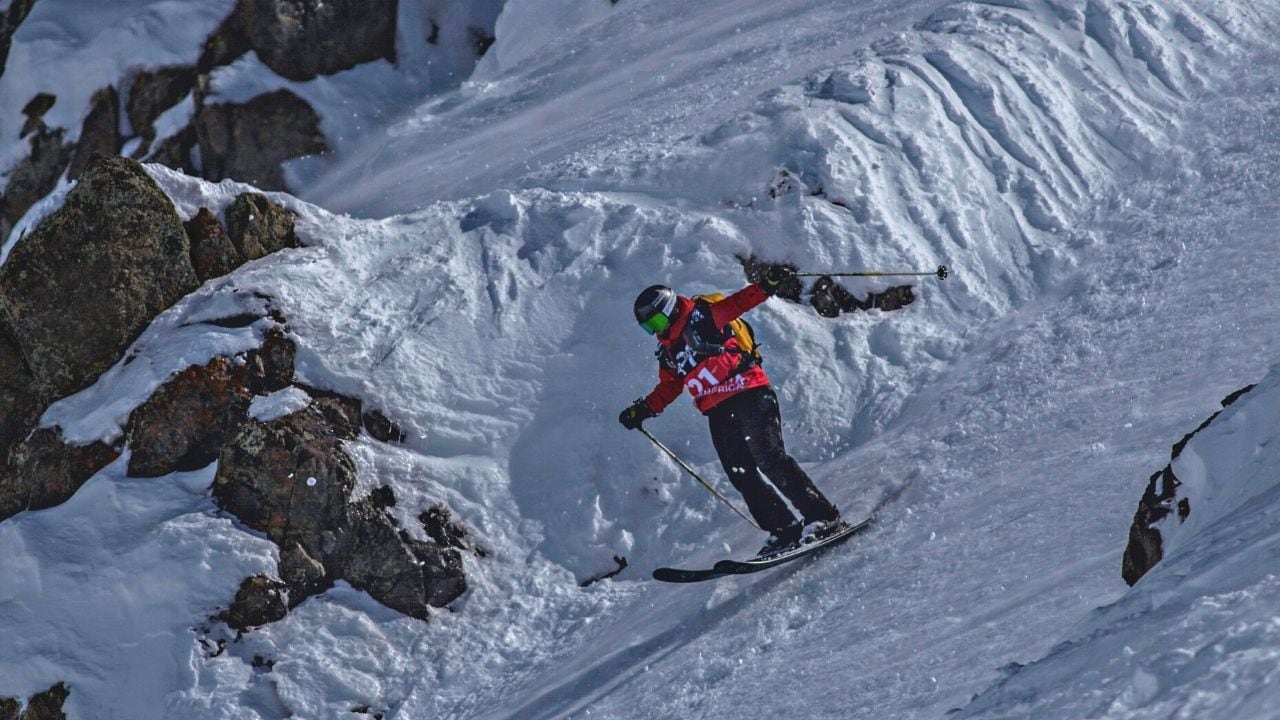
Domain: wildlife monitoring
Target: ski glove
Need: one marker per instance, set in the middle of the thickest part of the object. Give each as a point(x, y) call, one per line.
point(635, 414)
point(774, 277)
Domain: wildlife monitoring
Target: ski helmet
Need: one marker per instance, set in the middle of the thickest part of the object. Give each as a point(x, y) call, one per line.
point(655, 308)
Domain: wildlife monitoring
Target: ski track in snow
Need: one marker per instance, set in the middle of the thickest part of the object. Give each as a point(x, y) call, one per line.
point(1053, 153)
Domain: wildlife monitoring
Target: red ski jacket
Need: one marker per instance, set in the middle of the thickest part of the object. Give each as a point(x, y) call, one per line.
point(710, 377)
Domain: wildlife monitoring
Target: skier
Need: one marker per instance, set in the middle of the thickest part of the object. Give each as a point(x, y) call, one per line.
point(699, 351)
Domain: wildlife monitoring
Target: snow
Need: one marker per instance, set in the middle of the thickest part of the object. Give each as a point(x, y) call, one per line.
point(1100, 177)
point(278, 404)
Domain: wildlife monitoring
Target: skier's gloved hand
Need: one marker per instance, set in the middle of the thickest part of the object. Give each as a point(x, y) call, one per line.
point(774, 277)
point(635, 414)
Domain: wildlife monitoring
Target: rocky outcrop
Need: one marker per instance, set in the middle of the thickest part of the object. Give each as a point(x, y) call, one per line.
point(290, 479)
point(1160, 500)
point(100, 132)
point(151, 93)
point(259, 601)
point(300, 39)
point(42, 471)
point(42, 706)
point(36, 175)
point(92, 275)
point(19, 401)
point(248, 141)
point(185, 423)
point(9, 23)
point(212, 252)
point(258, 227)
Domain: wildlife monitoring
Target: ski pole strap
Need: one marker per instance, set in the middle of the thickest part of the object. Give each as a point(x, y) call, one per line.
point(711, 489)
point(941, 273)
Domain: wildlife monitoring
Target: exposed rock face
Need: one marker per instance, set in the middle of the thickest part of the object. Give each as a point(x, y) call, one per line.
point(247, 142)
point(290, 479)
point(92, 275)
point(300, 39)
point(830, 299)
point(9, 22)
point(35, 175)
point(258, 227)
point(382, 428)
point(212, 252)
point(100, 132)
point(19, 402)
point(43, 471)
point(1159, 500)
point(185, 423)
point(42, 706)
point(270, 367)
point(154, 91)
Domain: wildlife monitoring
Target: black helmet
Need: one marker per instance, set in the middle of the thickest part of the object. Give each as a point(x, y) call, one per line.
point(655, 308)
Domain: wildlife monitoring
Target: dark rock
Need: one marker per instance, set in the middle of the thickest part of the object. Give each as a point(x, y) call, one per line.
point(185, 423)
point(154, 91)
point(37, 174)
point(304, 575)
point(444, 530)
point(404, 574)
point(291, 479)
point(481, 40)
point(9, 708)
point(100, 132)
point(300, 39)
point(35, 109)
point(92, 276)
point(48, 704)
point(1146, 545)
point(382, 428)
point(259, 601)
point(9, 22)
point(212, 252)
point(175, 151)
point(247, 142)
point(342, 411)
point(19, 403)
point(43, 471)
point(260, 227)
point(225, 45)
point(383, 497)
point(270, 367)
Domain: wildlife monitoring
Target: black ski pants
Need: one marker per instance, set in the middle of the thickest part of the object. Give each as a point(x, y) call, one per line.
point(747, 432)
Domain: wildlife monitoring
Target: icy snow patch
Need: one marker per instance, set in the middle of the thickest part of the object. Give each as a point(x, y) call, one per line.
point(265, 408)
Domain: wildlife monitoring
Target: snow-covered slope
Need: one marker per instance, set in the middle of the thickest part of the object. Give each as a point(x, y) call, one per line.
point(1053, 153)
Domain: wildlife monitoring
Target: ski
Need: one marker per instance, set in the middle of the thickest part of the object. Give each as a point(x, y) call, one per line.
point(743, 567)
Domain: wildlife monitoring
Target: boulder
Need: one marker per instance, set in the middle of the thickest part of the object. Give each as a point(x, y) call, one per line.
point(37, 174)
point(300, 39)
point(259, 227)
point(19, 403)
point(382, 428)
point(35, 109)
point(185, 423)
point(100, 132)
point(154, 91)
point(47, 705)
point(270, 367)
point(248, 141)
point(212, 252)
point(259, 601)
point(290, 479)
point(43, 471)
point(82, 286)
point(175, 151)
point(1162, 497)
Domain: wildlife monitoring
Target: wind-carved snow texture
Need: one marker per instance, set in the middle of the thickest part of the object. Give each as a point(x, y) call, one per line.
point(496, 331)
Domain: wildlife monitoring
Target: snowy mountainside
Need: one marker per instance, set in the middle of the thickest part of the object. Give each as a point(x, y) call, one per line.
point(494, 325)
point(1196, 637)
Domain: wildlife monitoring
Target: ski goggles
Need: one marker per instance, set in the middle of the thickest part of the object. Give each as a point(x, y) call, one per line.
point(656, 323)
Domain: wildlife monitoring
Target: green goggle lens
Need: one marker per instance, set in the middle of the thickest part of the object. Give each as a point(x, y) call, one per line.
point(656, 324)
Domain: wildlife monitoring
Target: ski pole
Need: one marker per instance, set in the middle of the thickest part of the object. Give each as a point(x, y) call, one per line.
point(941, 273)
point(698, 477)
